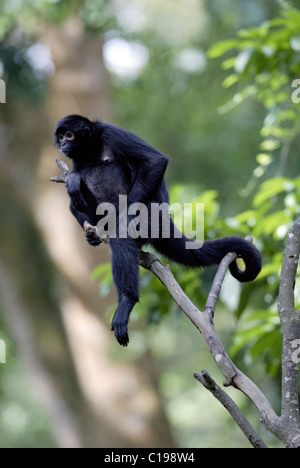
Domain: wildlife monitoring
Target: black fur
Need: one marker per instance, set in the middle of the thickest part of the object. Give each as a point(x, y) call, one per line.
point(109, 161)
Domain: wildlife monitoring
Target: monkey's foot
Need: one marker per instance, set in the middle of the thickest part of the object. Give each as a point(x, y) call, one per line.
point(92, 239)
point(121, 332)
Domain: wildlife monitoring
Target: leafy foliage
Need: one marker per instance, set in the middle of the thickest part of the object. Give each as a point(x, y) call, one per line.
point(264, 65)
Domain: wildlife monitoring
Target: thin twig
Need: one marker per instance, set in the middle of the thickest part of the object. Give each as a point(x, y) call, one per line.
point(217, 284)
point(61, 179)
point(205, 379)
point(219, 279)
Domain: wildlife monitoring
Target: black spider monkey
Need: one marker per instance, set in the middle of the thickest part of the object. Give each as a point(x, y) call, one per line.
point(109, 161)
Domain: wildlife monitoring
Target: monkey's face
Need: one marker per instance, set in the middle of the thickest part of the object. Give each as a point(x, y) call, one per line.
point(73, 136)
point(68, 143)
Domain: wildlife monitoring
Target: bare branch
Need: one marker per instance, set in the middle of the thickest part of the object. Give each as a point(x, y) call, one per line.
point(290, 324)
point(205, 379)
point(61, 179)
point(219, 279)
point(204, 322)
point(217, 284)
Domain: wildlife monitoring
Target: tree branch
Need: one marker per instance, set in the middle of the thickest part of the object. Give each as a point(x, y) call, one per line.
point(204, 322)
point(217, 284)
point(286, 427)
point(290, 325)
point(205, 379)
point(61, 179)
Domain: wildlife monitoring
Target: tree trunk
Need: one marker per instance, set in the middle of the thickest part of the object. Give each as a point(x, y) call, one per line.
point(106, 403)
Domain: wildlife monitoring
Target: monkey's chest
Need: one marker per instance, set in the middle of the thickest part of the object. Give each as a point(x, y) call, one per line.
point(107, 181)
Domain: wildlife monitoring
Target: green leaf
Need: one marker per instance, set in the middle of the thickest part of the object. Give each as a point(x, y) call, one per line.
point(244, 337)
point(266, 343)
point(272, 188)
point(265, 315)
point(276, 132)
point(246, 216)
point(287, 114)
point(231, 80)
point(260, 32)
point(270, 269)
point(221, 48)
point(229, 63)
point(264, 159)
point(293, 17)
point(270, 224)
point(270, 145)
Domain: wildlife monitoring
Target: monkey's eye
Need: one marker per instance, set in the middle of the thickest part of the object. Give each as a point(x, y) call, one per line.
point(60, 137)
point(70, 136)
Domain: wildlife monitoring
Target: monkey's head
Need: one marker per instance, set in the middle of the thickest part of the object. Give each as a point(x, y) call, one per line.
point(75, 137)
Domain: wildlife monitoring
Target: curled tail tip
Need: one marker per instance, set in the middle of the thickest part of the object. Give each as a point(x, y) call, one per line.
point(253, 262)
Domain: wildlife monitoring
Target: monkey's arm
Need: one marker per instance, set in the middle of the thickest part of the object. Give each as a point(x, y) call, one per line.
point(73, 184)
point(150, 173)
point(147, 164)
point(82, 218)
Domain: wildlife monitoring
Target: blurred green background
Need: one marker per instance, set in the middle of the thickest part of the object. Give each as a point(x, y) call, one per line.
point(210, 83)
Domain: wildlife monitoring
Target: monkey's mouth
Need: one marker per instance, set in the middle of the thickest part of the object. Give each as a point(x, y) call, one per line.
point(65, 152)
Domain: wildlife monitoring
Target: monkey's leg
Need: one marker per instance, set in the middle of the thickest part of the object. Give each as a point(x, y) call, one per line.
point(125, 271)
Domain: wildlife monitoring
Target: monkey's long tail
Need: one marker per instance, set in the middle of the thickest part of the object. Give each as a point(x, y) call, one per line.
point(212, 253)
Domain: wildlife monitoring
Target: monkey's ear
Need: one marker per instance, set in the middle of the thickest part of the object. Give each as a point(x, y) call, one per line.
point(87, 128)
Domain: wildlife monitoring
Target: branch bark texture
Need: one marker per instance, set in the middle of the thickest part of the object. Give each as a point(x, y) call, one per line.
point(290, 325)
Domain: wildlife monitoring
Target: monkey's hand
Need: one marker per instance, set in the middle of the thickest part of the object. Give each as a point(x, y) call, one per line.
point(73, 183)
